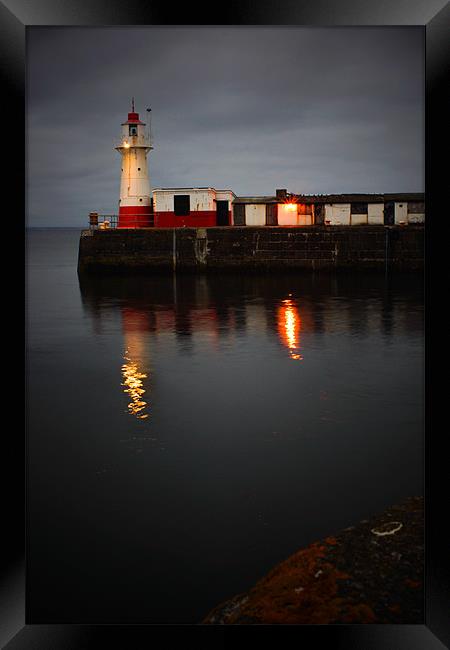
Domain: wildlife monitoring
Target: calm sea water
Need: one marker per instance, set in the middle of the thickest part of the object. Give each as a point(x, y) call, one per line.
point(186, 434)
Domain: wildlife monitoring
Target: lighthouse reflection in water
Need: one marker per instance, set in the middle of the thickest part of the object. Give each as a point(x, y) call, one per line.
point(134, 372)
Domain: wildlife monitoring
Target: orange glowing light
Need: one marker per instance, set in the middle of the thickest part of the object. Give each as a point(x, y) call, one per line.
point(290, 207)
point(289, 325)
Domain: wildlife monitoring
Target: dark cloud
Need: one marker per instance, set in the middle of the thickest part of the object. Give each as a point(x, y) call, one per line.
point(251, 109)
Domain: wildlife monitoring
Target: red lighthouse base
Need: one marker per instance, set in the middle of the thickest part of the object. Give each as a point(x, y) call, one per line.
point(135, 217)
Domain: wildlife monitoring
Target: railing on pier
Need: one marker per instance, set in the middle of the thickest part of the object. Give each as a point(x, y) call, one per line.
point(111, 221)
point(102, 221)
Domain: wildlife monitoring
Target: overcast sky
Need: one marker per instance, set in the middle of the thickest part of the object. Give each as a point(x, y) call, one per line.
point(313, 110)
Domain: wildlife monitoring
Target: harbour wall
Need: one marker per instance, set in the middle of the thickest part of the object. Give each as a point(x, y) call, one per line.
point(252, 248)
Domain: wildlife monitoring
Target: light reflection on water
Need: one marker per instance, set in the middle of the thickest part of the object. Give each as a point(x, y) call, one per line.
point(289, 328)
point(133, 370)
point(206, 323)
point(212, 319)
point(132, 380)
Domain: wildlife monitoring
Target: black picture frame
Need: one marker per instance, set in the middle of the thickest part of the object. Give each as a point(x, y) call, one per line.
point(15, 17)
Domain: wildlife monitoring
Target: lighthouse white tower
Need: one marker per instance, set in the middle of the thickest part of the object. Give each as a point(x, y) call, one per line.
point(135, 196)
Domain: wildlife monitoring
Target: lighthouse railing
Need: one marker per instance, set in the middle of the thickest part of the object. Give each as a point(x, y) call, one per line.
point(124, 141)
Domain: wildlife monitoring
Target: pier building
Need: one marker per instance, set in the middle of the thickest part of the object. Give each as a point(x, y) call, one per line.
point(192, 207)
point(206, 207)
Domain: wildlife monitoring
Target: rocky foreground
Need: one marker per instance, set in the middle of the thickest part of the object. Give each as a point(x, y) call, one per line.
point(369, 573)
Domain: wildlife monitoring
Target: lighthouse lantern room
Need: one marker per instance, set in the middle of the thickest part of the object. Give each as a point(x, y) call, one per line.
point(135, 209)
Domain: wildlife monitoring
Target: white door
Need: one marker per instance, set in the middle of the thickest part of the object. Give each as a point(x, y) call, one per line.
point(401, 212)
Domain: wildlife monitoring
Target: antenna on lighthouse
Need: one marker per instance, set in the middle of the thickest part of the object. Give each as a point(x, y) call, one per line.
point(132, 104)
point(150, 135)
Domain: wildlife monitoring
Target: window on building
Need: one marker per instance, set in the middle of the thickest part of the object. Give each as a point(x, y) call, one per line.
point(181, 205)
point(132, 129)
point(417, 207)
point(359, 208)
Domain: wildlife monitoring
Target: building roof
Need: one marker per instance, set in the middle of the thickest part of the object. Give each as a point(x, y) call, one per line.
point(332, 198)
point(189, 189)
point(255, 199)
point(355, 198)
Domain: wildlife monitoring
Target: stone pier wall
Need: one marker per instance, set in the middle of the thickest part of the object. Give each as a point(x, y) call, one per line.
point(253, 248)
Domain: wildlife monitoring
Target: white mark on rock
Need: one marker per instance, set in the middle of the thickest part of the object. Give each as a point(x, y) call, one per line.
point(387, 529)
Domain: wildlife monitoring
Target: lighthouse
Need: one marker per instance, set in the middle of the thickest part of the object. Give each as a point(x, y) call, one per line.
point(135, 210)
